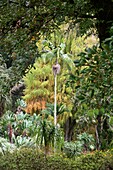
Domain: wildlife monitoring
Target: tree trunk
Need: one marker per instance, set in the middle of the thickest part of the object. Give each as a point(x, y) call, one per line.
point(103, 28)
point(104, 16)
point(69, 129)
point(2, 106)
point(98, 132)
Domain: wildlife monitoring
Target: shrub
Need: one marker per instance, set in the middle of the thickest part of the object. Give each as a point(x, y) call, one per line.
point(29, 159)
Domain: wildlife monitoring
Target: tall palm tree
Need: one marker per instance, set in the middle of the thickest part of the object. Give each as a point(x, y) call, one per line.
point(57, 55)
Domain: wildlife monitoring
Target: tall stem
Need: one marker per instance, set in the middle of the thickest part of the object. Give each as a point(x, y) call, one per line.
point(55, 100)
point(55, 110)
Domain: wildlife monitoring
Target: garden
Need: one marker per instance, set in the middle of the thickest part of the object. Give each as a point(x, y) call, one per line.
point(56, 85)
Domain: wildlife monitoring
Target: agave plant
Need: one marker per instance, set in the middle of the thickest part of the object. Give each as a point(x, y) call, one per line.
point(28, 131)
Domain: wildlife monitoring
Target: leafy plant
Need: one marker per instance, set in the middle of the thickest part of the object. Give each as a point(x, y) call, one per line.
point(84, 142)
point(72, 149)
point(87, 141)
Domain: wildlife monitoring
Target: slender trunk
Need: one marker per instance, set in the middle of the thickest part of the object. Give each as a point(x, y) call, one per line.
point(99, 132)
point(55, 110)
point(97, 138)
point(55, 101)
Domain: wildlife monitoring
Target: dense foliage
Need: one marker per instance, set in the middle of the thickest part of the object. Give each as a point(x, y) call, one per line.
point(32, 159)
point(22, 23)
point(94, 89)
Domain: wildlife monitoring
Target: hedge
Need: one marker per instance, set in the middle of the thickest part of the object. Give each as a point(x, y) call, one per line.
point(29, 159)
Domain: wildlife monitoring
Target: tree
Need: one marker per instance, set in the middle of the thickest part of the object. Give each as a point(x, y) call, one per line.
point(23, 21)
point(94, 90)
point(28, 19)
